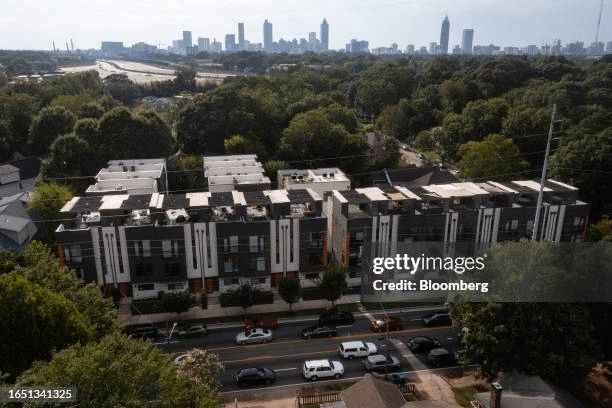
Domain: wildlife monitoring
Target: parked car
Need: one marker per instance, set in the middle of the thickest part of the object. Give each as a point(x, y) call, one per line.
point(319, 331)
point(254, 336)
point(145, 332)
point(315, 369)
point(440, 318)
point(352, 349)
point(335, 317)
point(441, 357)
point(254, 375)
point(381, 363)
point(192, 330)
point(422, 344)
point(263, 322)
point(387, 323)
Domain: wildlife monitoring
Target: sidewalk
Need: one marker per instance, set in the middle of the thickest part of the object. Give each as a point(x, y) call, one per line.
point(264, 399)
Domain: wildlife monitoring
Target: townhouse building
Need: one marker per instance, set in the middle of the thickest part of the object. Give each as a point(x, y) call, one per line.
point(144, 244)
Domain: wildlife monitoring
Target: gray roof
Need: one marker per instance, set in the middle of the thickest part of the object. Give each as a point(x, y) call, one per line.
point(8, 169)
point(372, 392)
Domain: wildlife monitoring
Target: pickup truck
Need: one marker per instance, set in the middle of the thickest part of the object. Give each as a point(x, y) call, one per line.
point(264, 322)
point(393, 323)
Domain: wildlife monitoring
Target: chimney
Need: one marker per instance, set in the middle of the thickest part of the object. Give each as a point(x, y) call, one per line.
point(496, 395)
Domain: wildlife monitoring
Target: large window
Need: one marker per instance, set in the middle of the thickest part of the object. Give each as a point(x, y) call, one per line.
point(256, 244)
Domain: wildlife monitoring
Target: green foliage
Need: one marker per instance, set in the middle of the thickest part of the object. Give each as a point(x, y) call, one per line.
point(49, 198)
point(333, 282)
point(122, 134)
point(73, 103)
point(121, 88)
point(238, 144)
point(17, 111)
point(35, 321)
point(246, 296)
point(118, 371)
point(48, 125)
point(202, 369)
point(289, 289)
point(600, 231)
point(495, 158)
point(272, 167)
point(586, 163)
point(313, 136)
point(70, 156)
point(179, 302)
point(405, 119)
point(547, 339)
point(185, 174)
point(40, 266)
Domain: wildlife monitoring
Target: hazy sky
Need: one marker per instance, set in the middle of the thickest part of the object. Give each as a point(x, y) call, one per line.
point(34, 24)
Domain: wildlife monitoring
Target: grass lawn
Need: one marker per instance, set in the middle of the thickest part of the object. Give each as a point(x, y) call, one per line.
point(465, 395)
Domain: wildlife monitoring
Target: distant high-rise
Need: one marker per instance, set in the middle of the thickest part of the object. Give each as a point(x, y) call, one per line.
point(203, 44)
point(444, 36)
point(267, 28)
point(466, 41)
point(187, 39)
point(324, 36)
point(241, 35)
point(230, 43)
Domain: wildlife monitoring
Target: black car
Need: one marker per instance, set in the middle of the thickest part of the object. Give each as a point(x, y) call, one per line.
point(441, 357)
point(440, 318)
point(144, 332)
point(335, 317)
point(319, 331)
point(254, 375)
point(422, 344)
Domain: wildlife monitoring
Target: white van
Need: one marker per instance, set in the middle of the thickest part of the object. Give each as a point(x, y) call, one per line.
point(352, 349)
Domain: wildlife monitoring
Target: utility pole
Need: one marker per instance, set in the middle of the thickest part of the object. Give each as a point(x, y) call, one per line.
point(598, 24)
point(538, 207)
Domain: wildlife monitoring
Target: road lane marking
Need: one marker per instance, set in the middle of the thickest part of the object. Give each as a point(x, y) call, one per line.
point(285, 369)
point(269, 357)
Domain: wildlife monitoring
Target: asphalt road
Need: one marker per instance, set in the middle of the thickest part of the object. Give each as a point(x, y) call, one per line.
point(287, 352)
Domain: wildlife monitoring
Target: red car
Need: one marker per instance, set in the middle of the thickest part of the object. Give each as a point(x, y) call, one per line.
point(388, 322)
point(264, 322)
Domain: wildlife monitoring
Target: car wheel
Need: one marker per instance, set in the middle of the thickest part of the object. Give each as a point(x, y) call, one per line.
point(268, 381)
point(314, 378)
point(265, 341)
point(330, 335)
point(309, 337)
point(336, 376)
point(351, 357)
point(242, 343)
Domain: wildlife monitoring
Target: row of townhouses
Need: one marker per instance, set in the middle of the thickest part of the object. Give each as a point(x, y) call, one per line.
point(144, 243)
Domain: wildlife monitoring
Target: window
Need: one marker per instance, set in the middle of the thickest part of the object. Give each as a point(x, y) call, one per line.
point(146, 249)
point(146, 286)
point(230, 281)
point(311, 276)
point(143, 270)
point(256, 244)
point(228, 265)
point(136, 249)
point(261, 264)
point(167, 248)
point(514, 225)
point(316, 239)
point(73, 254)
point(233, 240)
point(172, 269)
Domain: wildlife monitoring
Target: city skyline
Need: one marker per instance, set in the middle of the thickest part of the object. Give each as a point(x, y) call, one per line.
point(36, 26)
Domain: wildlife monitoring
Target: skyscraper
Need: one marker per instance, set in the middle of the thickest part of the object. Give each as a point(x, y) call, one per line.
point(187, 39)
point(230, 43)
point(241, 36)
point(444, 36)
point(267, 27)
point(466, 40)
point(324, 36)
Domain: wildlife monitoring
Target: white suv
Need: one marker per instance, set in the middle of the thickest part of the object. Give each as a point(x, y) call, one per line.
point(315, 369)
point(352, 349)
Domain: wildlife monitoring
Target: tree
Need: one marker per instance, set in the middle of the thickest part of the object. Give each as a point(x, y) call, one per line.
point(333, 282)
point(49, 198)
point(185, 174)
point(600, 231)
point(246, 296)
point(17, 111)
point(202, 369)
point(70, 156)
point(40, 266)
point(48, 125)
point(495, 158)
point(176, 302)
point(272, 167)
point(289, 289)
point(35, 320)
point(547, 339)
point(238, 144)
point(119, 371)
point(586, 163)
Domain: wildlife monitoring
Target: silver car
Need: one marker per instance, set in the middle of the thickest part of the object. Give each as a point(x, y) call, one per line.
point(254, 336)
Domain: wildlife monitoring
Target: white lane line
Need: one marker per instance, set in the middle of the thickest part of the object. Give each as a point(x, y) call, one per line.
point(285, 369)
